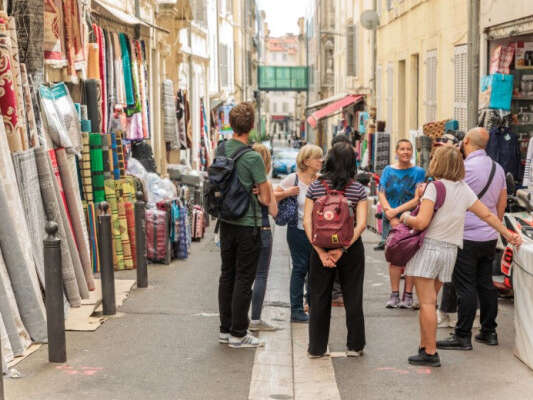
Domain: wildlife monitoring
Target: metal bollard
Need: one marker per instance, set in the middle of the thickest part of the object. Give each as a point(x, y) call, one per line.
point(55, 311)
point(140, 241)
point(107, 273)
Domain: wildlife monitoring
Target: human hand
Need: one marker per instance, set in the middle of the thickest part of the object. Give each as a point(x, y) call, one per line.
point(326, 259)
point(391, 213)
point(293, 191)
point(420, 188)
point(404, 216)
point(515, 239)
point(335, 254)
point(394, 222)
point(255, 190)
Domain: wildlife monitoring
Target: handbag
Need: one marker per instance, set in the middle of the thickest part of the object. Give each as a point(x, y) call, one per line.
point(403, 241)
point(288, 210)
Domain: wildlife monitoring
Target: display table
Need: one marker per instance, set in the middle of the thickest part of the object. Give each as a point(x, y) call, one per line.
point(523, 303)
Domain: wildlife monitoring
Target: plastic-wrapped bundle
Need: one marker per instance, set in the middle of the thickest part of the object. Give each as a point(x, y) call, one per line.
point(157, 235)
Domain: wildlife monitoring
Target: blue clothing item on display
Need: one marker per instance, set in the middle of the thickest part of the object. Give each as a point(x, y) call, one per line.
point(363, 116)
point(399, 185)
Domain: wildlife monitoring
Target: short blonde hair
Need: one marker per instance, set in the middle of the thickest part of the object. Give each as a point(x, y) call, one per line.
point(307, 152)
point(265, 154)
point(447, 163)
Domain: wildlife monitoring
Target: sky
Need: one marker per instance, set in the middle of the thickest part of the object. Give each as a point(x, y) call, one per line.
point(282, 15)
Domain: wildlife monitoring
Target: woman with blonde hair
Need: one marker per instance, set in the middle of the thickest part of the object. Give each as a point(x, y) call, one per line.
point(433, 264)
point(263, 265)
point(309, 163)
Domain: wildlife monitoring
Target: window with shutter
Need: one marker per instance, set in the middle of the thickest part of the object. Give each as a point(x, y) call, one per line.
point(224, 79)
point(350, 56)
point(378, 93)
point(461, 90)
point(389, 5)
point(431, 85)
point(390, 93)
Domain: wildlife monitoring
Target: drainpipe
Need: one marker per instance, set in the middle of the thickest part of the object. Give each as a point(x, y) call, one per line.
point(374, 44)
point(473, 62)
point(218, 47)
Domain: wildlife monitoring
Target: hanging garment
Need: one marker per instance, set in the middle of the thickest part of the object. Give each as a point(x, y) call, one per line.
point(142, 88)
point(127, 73)
point(102, 67)
point(52, 207)
point(67, 169)
point(180, 116)
point(134, 127)
point(8, 99)
point(53, 46)
point(382, 151)
point(93, 100)
point(170, 123)
point(504, 148)
point(32, 202)
point(93, 63)
point(490, 119)
point(528, 175)
point(111, 197)
point(73, 38)
point(110, 97)
point(184, 234)
point(119, 71)
point(97, 167)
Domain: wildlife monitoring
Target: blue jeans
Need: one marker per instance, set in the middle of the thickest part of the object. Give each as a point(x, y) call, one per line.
point(300, 248)
point(261, 276)
point(386, 228)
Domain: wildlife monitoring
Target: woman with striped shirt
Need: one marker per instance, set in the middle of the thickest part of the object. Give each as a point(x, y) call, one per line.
point(339, 174)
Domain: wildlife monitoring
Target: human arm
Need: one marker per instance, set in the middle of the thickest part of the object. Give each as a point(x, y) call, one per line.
point(484, 214)
point(273, 206)
point(325, 258)
point(422, 220)
point(287, 188)
point(502, 204)
point(265, 190)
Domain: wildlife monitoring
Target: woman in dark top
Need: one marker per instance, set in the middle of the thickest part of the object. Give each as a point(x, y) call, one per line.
point(339, 174)
point(263, 265)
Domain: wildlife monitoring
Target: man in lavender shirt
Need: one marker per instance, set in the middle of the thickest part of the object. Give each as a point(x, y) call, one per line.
point(472, 275)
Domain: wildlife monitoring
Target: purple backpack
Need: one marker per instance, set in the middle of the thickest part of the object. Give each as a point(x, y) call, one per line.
point(403, 242)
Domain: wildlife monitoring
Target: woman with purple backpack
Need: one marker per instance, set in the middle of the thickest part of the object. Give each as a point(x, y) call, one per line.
point(441, 216)
point(338, 179)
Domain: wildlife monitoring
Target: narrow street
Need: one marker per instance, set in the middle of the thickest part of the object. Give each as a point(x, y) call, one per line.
point(163, 345)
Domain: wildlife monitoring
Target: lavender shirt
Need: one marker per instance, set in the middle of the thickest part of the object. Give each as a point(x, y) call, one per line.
point(478, 165)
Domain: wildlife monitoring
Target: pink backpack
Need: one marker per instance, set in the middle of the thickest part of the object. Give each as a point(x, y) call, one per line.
point(332, 220)
point(403, 242)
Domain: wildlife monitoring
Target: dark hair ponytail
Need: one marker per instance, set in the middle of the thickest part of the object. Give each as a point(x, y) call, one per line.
point(340, 165)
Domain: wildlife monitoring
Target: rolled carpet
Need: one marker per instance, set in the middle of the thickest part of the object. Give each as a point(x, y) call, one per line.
point(15, 242)
point(67, 169)
point(130, 219)
point(97, 167)
point(124, 233)
point(111, 196)
point(91, 224)
point(85, 167)
point(53, 213)
point(32, 201)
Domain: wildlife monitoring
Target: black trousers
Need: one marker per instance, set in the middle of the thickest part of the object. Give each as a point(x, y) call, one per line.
point(240, 247)
point(472, 278)
point(351, 270)
point(448, 302)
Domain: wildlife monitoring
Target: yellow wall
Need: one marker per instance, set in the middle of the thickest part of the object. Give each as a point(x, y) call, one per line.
point(415, 27)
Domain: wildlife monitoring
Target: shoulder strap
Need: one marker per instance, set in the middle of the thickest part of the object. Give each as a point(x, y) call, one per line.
point(296, 178)
point(221, 149)
point(441, 194)
point(239, 152)
point(491, 177)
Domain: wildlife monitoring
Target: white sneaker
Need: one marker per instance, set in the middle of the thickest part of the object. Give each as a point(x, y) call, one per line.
point(245, 342)
point(353, 353)
point(223, 338)
point(443, 319)
point(260, 325)
point(452, 320)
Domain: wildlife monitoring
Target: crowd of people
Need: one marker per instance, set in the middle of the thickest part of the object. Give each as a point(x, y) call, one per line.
point(458, 206)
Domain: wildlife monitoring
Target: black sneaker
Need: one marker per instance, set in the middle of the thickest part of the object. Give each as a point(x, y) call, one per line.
point(455, 342)
point(380, 246)
point(488, 338)
point(425, 359)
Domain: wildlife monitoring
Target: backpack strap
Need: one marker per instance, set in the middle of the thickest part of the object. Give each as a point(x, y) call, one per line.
point(441, 194)
point(221, 149)
point(239, 152)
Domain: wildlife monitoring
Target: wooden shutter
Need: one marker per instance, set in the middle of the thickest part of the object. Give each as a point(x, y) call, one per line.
point(378, 93)
point(350, 53)
point(461, 89)
point(431, 85)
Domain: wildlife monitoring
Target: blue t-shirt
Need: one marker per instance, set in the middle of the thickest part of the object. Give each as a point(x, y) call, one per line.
point(399, 185)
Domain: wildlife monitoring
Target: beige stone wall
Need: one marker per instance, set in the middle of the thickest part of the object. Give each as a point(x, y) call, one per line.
point(412, 29)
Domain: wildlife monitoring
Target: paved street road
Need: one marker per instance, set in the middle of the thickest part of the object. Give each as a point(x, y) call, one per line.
point(163, 346)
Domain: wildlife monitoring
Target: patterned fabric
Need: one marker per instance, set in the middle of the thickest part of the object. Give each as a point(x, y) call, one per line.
point(52, 208)
point(93, 237)
point(381, 151)
point(111, 197)
point(170, 122)
point(501, 59)
point(66, 220)
point(32, 201)
point(435, 259)
point(53, 46)
point(184, 235)
point(124, 233)
point(107, 153)
point(97, 167)
point(119, 71)
point(86, 175)
point(73, 38)
point(103, 80)
point(67, 169)
point(116, 170)
point(142, 87)
point(130, 219)
point(17, 81)
point(8, 100)
point(136, 82)
point(126, 65)
point(28, 106)
point(156, 235)
point(120, 155)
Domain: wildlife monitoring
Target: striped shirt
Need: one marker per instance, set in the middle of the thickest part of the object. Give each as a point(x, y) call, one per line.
point(354, 191)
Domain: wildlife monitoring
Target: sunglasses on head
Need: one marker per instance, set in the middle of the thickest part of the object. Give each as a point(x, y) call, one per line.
point(445, 140)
